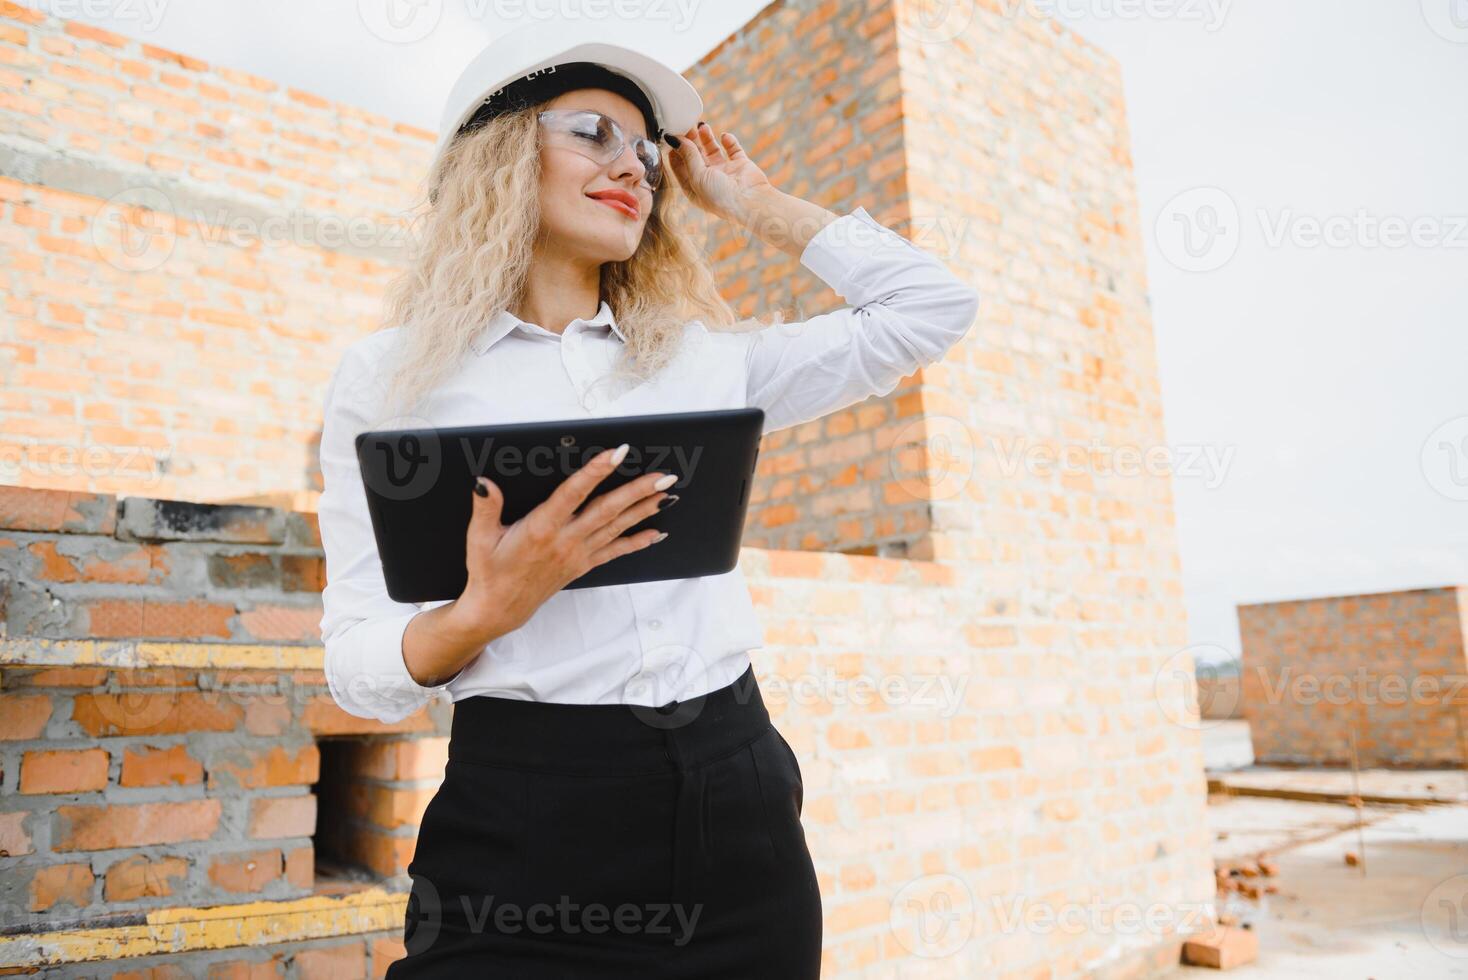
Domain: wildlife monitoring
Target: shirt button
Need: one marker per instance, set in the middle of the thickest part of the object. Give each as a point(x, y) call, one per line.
point(656, 624)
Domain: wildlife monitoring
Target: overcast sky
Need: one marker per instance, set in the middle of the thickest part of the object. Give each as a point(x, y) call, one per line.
point(1303, 172)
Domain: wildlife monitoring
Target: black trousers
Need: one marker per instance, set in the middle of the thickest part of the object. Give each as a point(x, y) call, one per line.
point(606, 841)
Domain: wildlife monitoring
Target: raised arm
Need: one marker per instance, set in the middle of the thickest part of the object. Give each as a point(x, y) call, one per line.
point(907, 309)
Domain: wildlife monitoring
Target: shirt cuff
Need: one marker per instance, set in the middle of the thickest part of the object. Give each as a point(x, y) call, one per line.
point(839, 248)
point(378, 675)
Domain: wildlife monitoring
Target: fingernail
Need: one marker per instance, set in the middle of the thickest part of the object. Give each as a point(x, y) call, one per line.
point(660, 537)
point(673, 141)
point(667, 501)
point(620, 454)
point(480, 487)
point(665, 481)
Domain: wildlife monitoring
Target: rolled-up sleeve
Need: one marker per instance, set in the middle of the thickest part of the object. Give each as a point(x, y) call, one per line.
point(361, 626)
point(907, 309)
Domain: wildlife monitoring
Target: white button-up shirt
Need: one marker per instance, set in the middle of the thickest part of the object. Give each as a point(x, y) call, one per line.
point(648, 642)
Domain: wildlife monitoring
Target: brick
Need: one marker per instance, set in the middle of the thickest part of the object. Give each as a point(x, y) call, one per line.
point(96, 828)
point(59, 511)
point(64, 771)
point(323, 716)
point(15, 839)
point(1222, 948)
point(254, 767)
point(144, 618)
point(282, 816)
point(154, 713)
point(153, 766)
point(61, 884)
point(148, 519)
point(247, 872)
point(23, 716)
point(332, 962)
point(386, 950)
point(266, 969)
point(138, 877)
point(406, 758)
point(382, 853)
point(300, 866)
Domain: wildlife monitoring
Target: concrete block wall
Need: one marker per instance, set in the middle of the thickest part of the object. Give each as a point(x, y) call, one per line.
point(1390, 667)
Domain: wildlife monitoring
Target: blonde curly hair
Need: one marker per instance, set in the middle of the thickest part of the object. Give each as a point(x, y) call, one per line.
point(471, 250)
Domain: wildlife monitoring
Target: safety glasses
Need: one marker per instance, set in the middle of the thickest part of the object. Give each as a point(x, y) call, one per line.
point(598, 137)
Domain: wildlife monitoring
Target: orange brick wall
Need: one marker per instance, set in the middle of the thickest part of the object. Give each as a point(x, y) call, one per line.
point(1066, 773)
point(192, 250)
point(128, 783)
point(1389, 667)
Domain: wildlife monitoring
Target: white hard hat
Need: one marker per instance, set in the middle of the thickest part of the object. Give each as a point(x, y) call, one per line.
point(534, 50)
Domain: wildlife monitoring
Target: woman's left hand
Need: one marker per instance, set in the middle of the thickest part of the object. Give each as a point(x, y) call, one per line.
point(718, 178)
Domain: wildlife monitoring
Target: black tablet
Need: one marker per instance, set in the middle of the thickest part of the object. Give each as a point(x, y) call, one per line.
point(420, 483)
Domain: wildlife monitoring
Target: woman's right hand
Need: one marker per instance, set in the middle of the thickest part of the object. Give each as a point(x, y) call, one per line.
point(515, 568)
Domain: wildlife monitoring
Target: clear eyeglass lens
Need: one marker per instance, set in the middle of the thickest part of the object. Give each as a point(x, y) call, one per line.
point(582, 130)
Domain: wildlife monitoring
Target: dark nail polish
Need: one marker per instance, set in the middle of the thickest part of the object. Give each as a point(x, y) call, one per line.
point(481, 489)
point(673, 141)
point(667, 501)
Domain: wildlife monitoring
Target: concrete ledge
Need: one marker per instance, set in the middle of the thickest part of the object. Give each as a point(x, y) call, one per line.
point(191, 930)
point(159, 653)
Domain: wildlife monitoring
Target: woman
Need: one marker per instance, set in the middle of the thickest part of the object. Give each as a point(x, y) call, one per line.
point(616, 802)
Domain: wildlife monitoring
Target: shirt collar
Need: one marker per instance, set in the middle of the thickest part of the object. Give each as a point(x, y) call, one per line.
point(505, 321)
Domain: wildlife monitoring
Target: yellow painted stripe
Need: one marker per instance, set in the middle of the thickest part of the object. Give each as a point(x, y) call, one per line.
point(189, 930)
point(38, 652)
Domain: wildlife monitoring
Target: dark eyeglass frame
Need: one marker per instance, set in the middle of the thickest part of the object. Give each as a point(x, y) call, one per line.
point(572, 123)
